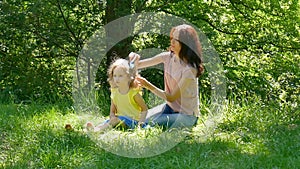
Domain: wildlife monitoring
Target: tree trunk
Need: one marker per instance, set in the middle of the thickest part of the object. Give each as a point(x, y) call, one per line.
point(116, 9)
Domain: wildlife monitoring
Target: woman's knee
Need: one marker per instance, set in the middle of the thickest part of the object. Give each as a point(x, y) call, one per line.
point(175, 120)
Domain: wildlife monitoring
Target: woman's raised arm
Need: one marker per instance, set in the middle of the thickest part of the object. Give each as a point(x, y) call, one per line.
point(155, 60)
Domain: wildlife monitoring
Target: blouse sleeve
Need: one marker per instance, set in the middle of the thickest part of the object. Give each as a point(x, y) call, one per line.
point(165, 56)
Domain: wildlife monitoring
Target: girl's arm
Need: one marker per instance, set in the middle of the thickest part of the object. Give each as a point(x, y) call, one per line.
point(140, 101)
point(113, 120)
point(113, 110)
point(175, 94)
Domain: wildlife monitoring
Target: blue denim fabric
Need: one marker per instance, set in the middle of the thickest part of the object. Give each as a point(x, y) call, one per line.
point(171, 119)
point(129, 122)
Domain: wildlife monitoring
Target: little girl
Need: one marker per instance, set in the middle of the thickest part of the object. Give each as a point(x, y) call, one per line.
point(127, 108)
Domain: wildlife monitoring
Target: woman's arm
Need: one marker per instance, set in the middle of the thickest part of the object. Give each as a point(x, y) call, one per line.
point(155, 60)
point(140, 101)
point(172, 96)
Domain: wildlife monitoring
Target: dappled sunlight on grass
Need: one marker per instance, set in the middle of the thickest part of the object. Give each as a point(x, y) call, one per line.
point(39, 137)
point(139, 143)
point(33, 136)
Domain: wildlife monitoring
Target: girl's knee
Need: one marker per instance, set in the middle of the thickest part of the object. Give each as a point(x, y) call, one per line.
point(114, 121)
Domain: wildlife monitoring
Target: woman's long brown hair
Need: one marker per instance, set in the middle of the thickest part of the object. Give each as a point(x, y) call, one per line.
point(191, 49)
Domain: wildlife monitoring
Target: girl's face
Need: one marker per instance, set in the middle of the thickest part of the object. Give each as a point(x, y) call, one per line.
point(120, 77)
point(175, 44)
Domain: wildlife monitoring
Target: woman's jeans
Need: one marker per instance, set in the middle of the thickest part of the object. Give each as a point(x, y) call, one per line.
point(170, 119)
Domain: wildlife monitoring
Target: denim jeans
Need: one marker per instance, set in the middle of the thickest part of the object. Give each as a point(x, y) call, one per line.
point(129, 122)
point(171, 119)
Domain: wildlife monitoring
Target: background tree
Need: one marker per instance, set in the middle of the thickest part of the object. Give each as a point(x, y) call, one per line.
point(40, 43)
point(258, 43)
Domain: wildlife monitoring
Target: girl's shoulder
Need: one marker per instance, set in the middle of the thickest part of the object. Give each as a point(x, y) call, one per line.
point(113, 89)
point(113, 93)
point(135, 90)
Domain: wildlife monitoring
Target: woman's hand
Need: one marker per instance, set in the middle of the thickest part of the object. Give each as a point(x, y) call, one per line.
point(158, 92)
point(134, 57)
point(141, 81)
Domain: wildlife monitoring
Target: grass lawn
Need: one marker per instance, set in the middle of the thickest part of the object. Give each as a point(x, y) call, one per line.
point(251, 135)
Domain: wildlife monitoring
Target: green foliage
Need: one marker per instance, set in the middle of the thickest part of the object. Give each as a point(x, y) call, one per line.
point(35, 79)
point(258, 43)
point(39, 45)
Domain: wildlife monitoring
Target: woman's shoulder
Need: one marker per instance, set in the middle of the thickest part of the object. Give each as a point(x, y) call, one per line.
point(165, 55)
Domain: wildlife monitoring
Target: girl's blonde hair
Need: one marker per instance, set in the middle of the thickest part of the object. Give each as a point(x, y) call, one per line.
point(123, 64)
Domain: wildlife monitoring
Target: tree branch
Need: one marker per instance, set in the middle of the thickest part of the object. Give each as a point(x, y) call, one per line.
point(236, 8)
point(75, 39)
point(220, 30)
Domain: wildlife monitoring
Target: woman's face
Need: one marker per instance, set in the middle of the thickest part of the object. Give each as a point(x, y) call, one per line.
point(175, 44)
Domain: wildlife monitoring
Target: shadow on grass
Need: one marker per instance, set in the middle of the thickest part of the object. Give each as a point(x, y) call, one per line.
point(31, 143)
point(219, 153)
point(60, 149)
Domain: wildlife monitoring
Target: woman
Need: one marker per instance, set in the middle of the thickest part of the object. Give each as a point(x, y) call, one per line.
point(183, 64)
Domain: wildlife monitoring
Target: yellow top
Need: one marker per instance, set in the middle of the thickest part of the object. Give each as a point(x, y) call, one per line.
point(125, 103)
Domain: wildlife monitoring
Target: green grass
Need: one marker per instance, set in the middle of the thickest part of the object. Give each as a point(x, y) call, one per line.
point(251, 135)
